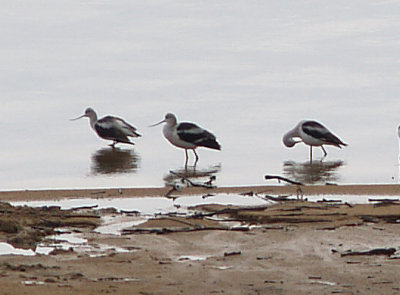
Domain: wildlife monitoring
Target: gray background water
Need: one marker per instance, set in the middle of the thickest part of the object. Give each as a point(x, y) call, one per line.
point(246, 70)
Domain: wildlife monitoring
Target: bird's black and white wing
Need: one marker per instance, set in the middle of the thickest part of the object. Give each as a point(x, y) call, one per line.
point(111, 128)
point(128, 129)
point(192, 133)
point(318, 131)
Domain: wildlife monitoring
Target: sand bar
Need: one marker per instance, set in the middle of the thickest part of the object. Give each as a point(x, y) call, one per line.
point(54, 194)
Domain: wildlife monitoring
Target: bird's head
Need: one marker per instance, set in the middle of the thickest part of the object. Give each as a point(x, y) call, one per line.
point(89, 113)
point(170, 119)
point(289, 141)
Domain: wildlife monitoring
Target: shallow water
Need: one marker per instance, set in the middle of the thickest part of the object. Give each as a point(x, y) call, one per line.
point(246, 71)
point(140, 210)
point(151, 206)
point(148, 206)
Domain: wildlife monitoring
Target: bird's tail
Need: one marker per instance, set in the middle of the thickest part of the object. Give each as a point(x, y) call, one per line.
point(135, 134)
point(125, 141)
point(212, 144)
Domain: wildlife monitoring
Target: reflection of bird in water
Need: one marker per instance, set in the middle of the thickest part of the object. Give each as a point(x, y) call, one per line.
point(115, 160)
point(181, 178)
point(316, 172)
point(179, 174)
point(312, 133)
point(187, 136)
point(110, 128)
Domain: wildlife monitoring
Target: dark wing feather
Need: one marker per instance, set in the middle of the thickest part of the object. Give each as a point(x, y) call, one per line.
point(192, 133)
point(106, 129)
point(128, 128)
point(317, 130)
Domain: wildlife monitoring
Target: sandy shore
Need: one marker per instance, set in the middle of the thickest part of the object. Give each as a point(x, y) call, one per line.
point(293, 248)
point(54, 194)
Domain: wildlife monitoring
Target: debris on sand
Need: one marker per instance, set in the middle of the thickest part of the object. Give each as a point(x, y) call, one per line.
point(326, 215)
point(167, 224)
point(24, 227)
point(377, 251)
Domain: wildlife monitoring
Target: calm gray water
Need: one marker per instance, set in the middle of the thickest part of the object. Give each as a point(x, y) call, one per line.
point(246, 70)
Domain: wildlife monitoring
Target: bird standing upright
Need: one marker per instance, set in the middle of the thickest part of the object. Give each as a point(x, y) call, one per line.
point(187, 136)
point(311, 133)
point(110, 128)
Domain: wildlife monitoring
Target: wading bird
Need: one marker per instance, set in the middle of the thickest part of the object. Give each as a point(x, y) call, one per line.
point(312, 133)
point(188, 136)
point(110, 128)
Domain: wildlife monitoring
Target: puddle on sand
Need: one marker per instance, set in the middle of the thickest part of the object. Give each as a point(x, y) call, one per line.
point(114, 225)
point(32, 283)
point(319, 282)
point(7, 249)
point(224, 267)
point(186, 258)
point(78, 245)
point(71, 238)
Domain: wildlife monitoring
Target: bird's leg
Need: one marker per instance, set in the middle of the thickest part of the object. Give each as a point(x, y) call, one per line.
point(197, 157)
point(310, 154)
point(186, 161)
point(323, 149)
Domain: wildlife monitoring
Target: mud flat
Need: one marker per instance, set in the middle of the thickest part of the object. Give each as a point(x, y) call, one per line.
point(282, 247)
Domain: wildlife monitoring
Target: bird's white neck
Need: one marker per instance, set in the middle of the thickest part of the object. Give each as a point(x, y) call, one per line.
point(171, 122)
point(288, 138)
point(168, 129)
point(93, 119)
point(170, 125)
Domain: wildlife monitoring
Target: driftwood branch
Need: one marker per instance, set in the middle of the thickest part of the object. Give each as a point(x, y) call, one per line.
point(84, 208)
point(168, 194)
point(207, 184)
point(175, 187)
point(384, 200)
point(229, 211)
point(167, 230)
point(278, 199)
point(377, 251)
point(280, 178)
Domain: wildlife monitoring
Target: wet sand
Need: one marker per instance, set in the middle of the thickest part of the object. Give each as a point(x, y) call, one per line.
point(360, 189)
point(294, 247)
